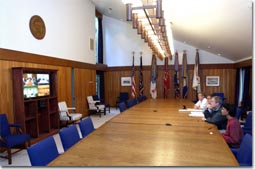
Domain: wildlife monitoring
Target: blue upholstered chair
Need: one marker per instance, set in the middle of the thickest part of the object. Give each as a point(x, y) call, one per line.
point(131, 102)
point(43, 152)
point(144, 97)
point(239, 112)
point(122, 106)
point(247, 128)
point(123, 97)
point(69, 136)
point(140, 99)
point(10, 140)
point(244, 153)
point(86, 126)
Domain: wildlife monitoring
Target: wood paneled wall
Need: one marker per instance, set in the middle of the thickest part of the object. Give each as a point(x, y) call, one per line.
point(6, 103)
point(85, 75)
point(85, 79)
point(85, 85)
point(227, 75)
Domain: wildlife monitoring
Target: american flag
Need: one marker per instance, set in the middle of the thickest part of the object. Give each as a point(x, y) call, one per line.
point(184, 75)
point(141, 88)
point(196, 77)
point(153, 89)
point(166, 79)
point(176, 75)
point(133, 92)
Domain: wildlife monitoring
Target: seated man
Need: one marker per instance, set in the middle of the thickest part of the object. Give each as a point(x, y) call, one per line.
point(202, 102)
point(215, 115)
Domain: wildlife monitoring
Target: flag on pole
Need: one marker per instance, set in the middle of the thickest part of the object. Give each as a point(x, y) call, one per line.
point(176, 75)
point(196, 78)
point(133, 92)
point(166, 79)
point(153, 88)
point(184, 75)
point(141, 88)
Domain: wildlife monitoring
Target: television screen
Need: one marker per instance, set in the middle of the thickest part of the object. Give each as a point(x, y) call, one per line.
point(43, 82)
point(36, 85)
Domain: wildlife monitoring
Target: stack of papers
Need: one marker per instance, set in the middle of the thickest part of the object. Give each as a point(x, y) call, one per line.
point(190, 110)
point(196, 114)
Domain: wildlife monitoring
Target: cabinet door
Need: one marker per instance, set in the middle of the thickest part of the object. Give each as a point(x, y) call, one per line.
point(31, 118)
point(54, 113)
point(43, 115)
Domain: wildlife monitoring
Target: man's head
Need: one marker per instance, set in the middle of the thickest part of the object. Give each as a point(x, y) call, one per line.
point(200, 96)
point(216, 102)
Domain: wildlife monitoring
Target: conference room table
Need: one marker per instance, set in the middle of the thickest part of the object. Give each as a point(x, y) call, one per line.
point(151, 133)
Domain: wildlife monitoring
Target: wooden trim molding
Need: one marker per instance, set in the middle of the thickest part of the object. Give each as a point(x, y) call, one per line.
point(11, 55)
point(246, 63)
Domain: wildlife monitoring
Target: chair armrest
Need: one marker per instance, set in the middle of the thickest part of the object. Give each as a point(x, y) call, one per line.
point(71, 108)
point(15, 125)
point(18, 126)
point(2, 140)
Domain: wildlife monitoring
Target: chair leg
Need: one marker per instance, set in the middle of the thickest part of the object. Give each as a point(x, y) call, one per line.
point(9, 156)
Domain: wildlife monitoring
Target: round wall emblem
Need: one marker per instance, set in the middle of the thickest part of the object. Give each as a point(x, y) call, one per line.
point(37, 27)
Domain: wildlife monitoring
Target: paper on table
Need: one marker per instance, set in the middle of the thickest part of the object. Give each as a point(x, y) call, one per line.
point(189, 110)
point(196, 114)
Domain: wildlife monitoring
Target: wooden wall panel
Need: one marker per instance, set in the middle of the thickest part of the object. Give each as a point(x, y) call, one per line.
point(6, 104)
point(113, 86)
point(85, 75)
point(85, 85)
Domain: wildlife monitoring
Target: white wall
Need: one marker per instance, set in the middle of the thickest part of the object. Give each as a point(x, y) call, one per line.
point(69, 25)
point(120, 39)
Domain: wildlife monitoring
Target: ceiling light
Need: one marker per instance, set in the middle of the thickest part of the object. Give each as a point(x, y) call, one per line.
point(152, 25)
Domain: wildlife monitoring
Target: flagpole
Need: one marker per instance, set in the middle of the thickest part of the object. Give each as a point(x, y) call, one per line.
point(141, 87)
point(133, 87)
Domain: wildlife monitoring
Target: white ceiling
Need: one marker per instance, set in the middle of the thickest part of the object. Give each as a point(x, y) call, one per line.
point(222, 27)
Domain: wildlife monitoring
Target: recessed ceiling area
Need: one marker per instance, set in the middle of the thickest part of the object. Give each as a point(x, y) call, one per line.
point(222, 27)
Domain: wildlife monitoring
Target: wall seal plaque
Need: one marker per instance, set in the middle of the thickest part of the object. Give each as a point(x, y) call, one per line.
point(37, 27)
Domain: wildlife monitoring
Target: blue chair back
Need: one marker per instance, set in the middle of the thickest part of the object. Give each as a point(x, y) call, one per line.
point(244, 153)
point(69, 136)
point(130, 102)
point(239, 112)
point(43, 152)
point(122, 106)
point(248, 124)
point(86, 126)
point(4, 126)
point(144, 97)
point(123, 96)
point(140, 99)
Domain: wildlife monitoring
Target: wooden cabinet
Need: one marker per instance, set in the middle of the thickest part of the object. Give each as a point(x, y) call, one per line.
point(36, 104)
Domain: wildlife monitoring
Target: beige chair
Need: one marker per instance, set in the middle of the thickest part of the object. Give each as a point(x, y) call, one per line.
point(95, 107)
point(66, 115)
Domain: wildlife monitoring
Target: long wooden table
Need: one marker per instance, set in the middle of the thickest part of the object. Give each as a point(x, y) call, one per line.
point(152, 133)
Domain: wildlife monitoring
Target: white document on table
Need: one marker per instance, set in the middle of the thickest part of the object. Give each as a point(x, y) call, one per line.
point(190, 110)
point(196, 114)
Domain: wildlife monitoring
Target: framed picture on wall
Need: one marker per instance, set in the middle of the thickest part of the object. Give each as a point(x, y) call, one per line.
point(212, 80)
point(125, 81)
